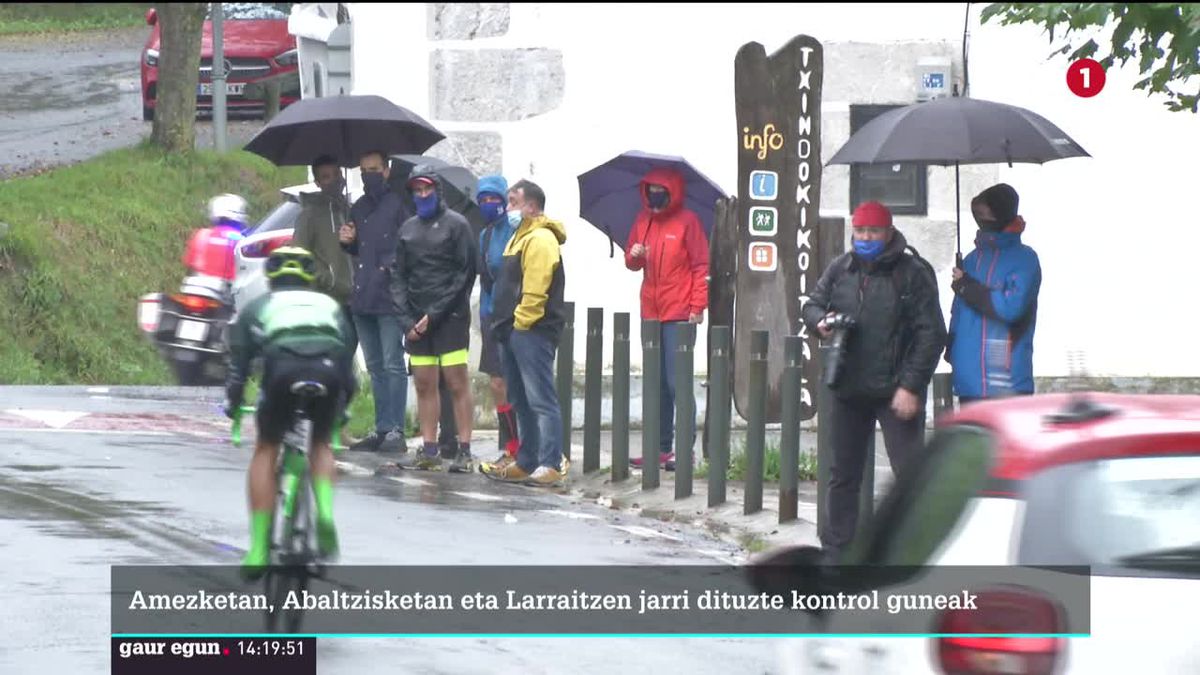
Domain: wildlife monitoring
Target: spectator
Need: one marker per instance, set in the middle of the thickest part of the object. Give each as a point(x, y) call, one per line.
point(889, 359)
point(322, 215)
point(528, 318)
point(371, 238)
point(432, 277)
point(995, 303)
point(668, 244)
point(491, 197)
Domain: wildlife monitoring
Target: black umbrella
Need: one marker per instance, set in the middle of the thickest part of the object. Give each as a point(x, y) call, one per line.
point(345, 127)
point(458, 184)
point(958, 131)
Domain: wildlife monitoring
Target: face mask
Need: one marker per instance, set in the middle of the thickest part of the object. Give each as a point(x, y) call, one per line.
point(492, 211)
point(373, 182)
point(334, 188)
point(514, 218)
point(658, 200)
point(427, 206)
point(868, 250)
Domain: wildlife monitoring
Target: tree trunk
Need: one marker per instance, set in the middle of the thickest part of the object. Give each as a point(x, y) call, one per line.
point(181, 26)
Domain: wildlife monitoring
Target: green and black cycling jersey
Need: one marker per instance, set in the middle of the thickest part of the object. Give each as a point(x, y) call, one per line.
point(297, 323)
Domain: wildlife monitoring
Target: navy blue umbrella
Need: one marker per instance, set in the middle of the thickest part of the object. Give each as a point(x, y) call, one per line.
point(609, 196)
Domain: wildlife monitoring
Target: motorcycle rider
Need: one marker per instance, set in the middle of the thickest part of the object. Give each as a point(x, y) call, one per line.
point(209, 252)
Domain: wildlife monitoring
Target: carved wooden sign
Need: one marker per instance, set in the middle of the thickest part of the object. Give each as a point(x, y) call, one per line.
point(778, 101)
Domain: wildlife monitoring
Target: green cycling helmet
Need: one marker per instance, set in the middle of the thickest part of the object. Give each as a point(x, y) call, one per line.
point(291, 261)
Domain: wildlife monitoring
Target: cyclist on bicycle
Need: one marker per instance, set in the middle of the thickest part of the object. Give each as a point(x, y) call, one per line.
point(302, 336)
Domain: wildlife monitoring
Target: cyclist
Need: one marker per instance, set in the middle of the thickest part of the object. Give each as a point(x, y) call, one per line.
point(209, 252)
point(302, 335)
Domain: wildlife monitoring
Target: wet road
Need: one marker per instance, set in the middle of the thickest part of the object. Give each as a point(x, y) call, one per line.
point(95, 478)
point(69, 98)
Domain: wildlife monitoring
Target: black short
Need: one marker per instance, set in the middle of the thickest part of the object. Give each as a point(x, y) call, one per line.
point(277, 404)
point(489, 352)
point(451, 335)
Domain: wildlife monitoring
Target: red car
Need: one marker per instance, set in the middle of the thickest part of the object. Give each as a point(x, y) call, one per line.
point(257, 45)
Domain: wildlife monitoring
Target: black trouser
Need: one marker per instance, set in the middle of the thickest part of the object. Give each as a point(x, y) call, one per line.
point(853, 427)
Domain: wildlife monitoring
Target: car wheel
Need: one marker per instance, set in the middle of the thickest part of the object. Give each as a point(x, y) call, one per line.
point(147, 113)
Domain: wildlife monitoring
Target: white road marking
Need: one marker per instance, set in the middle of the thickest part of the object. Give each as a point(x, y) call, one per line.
point(644, 532)
point(416, 482)
point(53, 418)
point(354, 469)
point(479, 496)
point(111, 432)
point(573, 515)
point(97, 390)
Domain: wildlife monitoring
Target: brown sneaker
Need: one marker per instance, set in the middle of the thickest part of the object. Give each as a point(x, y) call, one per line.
point(499, 463)
point(510, 473)
point(545, 476)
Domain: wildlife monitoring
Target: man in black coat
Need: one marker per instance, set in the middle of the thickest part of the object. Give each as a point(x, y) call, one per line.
point(891, 352)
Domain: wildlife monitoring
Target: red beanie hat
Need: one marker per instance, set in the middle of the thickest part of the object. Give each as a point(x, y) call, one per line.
point(871, 214)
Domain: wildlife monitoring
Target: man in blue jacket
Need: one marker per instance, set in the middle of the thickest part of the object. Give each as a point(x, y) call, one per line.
point(994, 314)
point(370, 237)
point(491, 196)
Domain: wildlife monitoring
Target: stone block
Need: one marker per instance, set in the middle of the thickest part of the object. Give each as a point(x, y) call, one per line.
point(479, 151)
point(467, 20)
point(495, 85)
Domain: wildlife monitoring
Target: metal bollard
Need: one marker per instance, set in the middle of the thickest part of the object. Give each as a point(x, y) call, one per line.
point(566, 375)
point(789, 441)
point(824, 441)
point(685, 410)
point(651, 401)
point(717, 414)
point(591, 389)
point(756, 424)
point(620, 397)
point(943, 394)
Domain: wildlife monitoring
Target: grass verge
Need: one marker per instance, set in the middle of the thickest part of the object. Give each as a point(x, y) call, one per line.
point(771, 464)
point(79, 245)
point(17, 18)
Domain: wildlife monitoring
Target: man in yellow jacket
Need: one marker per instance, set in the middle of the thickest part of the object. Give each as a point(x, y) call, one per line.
point(527, 320)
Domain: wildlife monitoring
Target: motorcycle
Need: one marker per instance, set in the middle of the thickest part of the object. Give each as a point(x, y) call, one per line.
point(190, 328)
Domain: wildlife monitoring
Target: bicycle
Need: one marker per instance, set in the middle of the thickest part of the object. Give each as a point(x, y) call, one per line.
point(293, 555)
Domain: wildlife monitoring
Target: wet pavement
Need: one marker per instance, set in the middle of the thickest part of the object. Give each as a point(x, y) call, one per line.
point(71, 97)
point(76, 498)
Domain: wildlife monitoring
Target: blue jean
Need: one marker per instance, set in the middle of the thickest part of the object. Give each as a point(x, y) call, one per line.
point(383, 349)
point(672, 336)
point(528, 362)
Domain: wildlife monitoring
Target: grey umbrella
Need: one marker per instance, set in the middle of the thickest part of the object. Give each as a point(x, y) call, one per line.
point(345, 127)
point(958, 131)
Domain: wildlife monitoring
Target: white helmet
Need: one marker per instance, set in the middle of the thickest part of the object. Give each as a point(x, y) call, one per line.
point(228, 209)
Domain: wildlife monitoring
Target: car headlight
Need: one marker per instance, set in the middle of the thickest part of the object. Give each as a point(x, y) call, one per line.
point(152, 58)
point(288, 58)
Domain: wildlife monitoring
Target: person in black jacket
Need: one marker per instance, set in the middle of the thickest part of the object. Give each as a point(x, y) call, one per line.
point(890, 355)
point(432, 276)
point(370, 237)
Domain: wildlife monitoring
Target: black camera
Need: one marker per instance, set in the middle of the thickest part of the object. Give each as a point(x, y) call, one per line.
point(840, 325)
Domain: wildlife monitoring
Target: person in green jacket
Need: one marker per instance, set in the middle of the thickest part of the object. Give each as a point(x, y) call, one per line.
point(321, 218)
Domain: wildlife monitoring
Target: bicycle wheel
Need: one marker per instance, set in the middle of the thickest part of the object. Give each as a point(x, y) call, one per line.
point(292, 552)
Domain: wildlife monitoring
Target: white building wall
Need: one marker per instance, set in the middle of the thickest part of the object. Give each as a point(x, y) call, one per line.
point(636, 78)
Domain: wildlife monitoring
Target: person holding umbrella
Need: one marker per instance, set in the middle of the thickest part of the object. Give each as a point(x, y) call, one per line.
point(432, 276)
point(668, 245)
point(992, 320)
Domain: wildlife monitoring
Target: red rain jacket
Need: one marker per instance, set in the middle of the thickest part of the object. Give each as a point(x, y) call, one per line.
point(675, 282)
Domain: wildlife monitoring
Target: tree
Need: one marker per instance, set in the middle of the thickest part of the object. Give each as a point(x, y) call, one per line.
point(1139, 32)
point(181, 26)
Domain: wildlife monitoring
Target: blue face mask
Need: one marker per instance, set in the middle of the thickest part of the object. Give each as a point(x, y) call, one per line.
point(427, 206)
point(373, 182)
point(492, 211)
point(658, 200)
point(869, 250)
point(514, 218)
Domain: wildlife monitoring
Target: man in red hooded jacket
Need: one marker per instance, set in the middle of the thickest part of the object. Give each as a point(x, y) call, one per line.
point(669, 245)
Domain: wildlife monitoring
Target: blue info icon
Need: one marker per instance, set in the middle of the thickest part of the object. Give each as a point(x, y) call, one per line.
point(764, 185)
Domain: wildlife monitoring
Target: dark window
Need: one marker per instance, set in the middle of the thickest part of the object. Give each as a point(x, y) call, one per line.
point(900, 187)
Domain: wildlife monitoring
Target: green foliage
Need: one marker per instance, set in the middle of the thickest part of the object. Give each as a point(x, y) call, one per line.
point(63, 17)
point(1164, 39)
point(84, 241)
point(771, 465)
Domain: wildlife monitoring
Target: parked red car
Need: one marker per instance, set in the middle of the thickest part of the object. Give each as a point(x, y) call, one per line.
point(257, 45)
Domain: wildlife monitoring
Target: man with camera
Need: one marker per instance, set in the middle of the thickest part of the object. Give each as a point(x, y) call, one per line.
point(879, 305)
